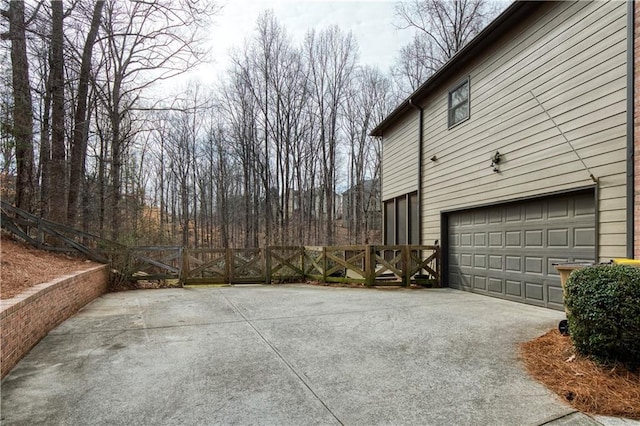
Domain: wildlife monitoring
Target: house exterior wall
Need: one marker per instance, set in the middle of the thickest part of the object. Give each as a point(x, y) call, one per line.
point(400, 158)
point(572, 57)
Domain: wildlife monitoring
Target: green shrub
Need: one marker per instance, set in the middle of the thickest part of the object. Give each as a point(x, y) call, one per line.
point(603, 309)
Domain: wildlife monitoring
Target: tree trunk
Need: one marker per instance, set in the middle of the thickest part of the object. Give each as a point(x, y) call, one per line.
point(80, 122)
point(58, 155)
point(45, 153)
point(22, 109)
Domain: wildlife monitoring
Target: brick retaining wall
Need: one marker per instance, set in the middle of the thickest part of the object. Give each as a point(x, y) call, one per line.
point(27, 318)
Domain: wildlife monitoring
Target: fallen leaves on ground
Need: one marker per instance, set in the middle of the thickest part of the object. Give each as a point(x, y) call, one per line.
point(23, 266)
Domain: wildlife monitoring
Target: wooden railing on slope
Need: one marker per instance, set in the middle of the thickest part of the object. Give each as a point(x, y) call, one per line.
point(47, 235)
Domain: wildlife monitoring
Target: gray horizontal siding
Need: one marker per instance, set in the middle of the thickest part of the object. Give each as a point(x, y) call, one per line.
point(400, 158)
point(572, 56)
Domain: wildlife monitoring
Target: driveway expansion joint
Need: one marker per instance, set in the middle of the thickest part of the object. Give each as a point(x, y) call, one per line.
point(300, 376)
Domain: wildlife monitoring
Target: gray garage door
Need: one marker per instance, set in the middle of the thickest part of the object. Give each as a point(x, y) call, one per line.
point(508, 251)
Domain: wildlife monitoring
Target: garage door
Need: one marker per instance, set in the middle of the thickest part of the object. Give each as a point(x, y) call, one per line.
point(508, 251)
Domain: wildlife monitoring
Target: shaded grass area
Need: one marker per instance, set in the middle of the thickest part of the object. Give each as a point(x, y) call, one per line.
point(587, 386)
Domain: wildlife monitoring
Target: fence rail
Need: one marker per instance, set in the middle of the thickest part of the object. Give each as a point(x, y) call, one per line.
point(367, 264)
point(47, 235)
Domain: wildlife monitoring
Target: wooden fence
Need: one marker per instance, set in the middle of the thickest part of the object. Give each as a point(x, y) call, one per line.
point(367, 264)
point(47, 235)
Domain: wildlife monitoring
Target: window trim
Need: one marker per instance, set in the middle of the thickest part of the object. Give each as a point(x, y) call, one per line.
point(450, 107)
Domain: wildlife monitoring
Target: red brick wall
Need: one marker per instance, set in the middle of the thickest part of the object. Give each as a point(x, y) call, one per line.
point(636, 131)
point(27, 318)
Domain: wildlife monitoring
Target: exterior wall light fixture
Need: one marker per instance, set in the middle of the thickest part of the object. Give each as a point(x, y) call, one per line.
point(495, 161)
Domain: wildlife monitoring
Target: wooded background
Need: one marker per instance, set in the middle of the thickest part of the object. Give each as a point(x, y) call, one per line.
point(90, 136)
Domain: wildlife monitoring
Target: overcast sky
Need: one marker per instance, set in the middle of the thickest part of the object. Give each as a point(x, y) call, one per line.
point(371, 22)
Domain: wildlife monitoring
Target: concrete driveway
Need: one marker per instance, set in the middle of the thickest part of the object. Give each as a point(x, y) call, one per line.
point(287, 355)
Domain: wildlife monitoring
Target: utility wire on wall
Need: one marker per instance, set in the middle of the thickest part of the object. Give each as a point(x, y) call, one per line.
point(593, 178)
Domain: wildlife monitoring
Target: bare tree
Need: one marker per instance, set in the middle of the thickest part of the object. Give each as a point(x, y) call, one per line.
point(415, 63)
point(331, 56)
point(22, 105)
point(237, 105)
point(368, 102)
point(144, 43)
point(81, 116)
point(448, 25)
point(443, 27)
point(58, 147)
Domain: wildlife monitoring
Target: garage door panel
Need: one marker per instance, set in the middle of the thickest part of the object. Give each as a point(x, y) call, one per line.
point(480, 217)
point(558, 238)
point(495, 285)
point(534, 291)
point(495, 239)
point(465, 280)
point(559, 208)
point(479, 282)
point(495, 262)
point(551, 270)
point(479, 239)
point(513, 263)
point(555, 294)
point(508, 251)
point(533, 265)
point(533, 212)
point(513, 288)
point(513, 214)
point(513, 238)
point(534, 238)
point(583, 207)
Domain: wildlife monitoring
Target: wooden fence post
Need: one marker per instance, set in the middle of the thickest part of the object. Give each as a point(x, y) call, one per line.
point(406, 265)
point(184, 270)
point(228, 265)
point(324, 264)
point(267, 264)
point(40, 237)
point(369, 265)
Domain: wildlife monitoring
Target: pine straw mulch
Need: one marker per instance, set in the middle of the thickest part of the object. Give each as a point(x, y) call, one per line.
point(22, 266)
point(585, 385)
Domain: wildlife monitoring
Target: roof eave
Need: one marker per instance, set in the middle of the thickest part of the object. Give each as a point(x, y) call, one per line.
point(500, 25)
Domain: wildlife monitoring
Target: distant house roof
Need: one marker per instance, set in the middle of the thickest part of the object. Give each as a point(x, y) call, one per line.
point(369, 185)
point(510, 18)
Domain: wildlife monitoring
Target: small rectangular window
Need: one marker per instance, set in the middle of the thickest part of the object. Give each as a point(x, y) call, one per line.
point(459, 103)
